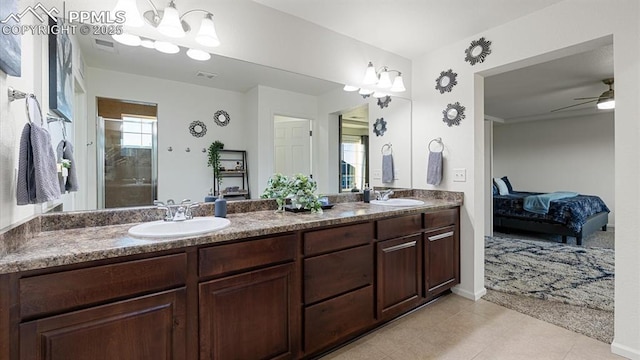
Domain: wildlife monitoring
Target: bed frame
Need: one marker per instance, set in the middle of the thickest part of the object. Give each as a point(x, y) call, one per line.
point(594, 222)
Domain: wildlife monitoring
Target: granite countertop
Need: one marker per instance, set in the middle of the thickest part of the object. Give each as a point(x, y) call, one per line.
point(69, 246)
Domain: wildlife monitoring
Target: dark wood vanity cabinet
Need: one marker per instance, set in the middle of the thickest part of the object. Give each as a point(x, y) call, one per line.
point(441, 252)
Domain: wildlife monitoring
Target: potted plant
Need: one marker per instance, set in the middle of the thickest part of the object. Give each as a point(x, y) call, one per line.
point(300, 189)
point(213, 161)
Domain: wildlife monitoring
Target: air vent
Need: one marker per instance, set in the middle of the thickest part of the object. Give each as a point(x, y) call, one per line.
point(206, 75)
point(104, 45)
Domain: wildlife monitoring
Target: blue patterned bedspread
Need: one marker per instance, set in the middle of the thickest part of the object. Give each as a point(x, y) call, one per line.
point(571, 212)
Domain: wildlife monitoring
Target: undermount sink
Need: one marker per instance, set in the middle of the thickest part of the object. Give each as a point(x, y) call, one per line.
point(195, 226)
point(398, 202)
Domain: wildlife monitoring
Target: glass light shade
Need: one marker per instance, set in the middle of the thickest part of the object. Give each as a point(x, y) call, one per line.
point(207, 35)
point(350, 88)
point(379, 94)
point(606, 104)
point(398, 84)
point(132, 14)
point(170, 24)
point(166, 47)
point(370, 77)
point(197, 54)
point(127, 39)
point(365, 92)
point(385, 80)
point(148, 43)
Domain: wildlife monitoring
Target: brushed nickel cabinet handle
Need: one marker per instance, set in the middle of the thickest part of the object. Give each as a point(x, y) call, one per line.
point(401, 246)
point(440, 236)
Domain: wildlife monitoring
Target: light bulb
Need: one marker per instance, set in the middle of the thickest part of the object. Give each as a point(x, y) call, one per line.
point(398, 84)
point(385, 79)
point(350, 88)
point(170, 24)
point(127, 39)
point(370, 77)
point(197, 54)
point(166, 47)
point(606, 104)
point(207, 35)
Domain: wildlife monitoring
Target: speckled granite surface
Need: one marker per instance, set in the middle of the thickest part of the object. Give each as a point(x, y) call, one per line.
point(67, 238)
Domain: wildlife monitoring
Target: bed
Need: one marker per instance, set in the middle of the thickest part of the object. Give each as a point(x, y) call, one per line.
point(577, 216)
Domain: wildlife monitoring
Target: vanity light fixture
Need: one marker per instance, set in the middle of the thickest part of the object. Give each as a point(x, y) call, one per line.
point(199, 55)
point(170, 23)
point(380, 81)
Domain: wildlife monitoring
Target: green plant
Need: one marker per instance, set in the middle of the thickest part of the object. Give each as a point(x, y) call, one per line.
point(299, 188)
point(213, 160)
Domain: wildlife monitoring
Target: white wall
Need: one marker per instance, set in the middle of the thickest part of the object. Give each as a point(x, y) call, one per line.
point(572, 154)
point(553, 32)
point(181, 174)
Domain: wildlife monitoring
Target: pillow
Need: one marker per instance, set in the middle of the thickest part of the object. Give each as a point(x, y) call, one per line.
point(508, 183)
point(502, 187)
point(495, 189)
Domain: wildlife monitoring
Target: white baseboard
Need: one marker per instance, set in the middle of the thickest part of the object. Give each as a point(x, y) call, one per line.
point(625, 351)
point(469, 295)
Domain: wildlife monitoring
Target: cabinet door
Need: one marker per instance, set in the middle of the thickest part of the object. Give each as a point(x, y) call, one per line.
point(149, 327)
point(442, 260)
point(249, 316)
point(399, 275)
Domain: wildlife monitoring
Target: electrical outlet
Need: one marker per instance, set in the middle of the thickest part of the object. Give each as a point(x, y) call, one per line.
point(460, 175)
point(377, 174)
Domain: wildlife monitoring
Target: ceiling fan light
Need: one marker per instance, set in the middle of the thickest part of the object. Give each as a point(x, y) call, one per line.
point(127, 39)
point(606, 103)
point(370, 77)
point(166, 47)
point(350, 88)
point(170, 25)
point(398, 84)
point(132, 14)
point(385, 79)
point(207, 35)
point(197, 54)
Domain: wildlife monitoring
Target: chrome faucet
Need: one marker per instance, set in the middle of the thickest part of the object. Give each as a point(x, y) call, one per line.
point(384, 196)
point(175, 212)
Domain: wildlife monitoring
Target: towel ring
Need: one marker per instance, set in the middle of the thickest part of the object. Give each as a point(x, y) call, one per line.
point(387, 147)
point(30, 97)
point(438, 141)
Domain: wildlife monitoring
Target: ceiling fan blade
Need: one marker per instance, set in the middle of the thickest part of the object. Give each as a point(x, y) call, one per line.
point(587, 98)
point(570, 106)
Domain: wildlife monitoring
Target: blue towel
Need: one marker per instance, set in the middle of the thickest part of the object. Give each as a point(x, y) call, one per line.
point(434, 168)
point(539, 204)
point(387, 168)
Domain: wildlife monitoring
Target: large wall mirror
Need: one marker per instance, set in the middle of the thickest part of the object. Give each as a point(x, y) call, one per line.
point(255, 98)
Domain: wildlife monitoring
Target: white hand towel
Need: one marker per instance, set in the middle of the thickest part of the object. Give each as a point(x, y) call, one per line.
point(434, 168)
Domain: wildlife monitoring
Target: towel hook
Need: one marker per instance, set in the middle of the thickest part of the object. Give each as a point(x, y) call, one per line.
point(438, 141)
point(388, 147)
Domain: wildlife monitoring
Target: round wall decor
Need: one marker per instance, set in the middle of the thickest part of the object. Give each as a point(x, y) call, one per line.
point(379, 127)
point(477, 51)
point(197, 128)
point(453, 114)
point(221, 118)
point(384, 102)
point(446, 81)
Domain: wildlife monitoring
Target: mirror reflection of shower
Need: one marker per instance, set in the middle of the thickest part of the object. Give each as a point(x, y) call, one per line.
point(127, 153)
point(354, 149)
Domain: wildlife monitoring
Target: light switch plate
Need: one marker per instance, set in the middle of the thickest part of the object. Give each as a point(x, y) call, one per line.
point(377, 174)
point(395, 174)
point(459, 175)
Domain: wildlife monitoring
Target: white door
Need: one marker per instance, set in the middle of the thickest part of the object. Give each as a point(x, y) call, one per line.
point(292, 146)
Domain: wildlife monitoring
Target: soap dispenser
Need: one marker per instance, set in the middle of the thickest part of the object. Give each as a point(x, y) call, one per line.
point(366, 194)
point(220, 207)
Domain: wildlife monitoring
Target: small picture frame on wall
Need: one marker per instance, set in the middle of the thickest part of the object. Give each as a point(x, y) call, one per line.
point(10, 44)
point(60, 73)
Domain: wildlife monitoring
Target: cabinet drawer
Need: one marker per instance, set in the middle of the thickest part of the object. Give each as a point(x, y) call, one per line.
point(440, 218)
point(321, 241)
point(217, 260)
point(399, 226)
point(71, 289)
point(338, 272)
point(330, 321)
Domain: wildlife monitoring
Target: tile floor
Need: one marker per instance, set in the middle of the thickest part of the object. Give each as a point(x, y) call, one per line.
point(456, 328)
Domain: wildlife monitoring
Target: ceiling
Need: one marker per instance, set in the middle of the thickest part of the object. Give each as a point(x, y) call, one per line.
point(408, 27)
point(532, 92)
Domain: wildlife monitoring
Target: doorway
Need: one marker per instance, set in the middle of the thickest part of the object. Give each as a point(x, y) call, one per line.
point(127, 153)
point(292, 140)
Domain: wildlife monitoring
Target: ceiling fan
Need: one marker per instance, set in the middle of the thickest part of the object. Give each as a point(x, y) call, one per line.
point(605, 101)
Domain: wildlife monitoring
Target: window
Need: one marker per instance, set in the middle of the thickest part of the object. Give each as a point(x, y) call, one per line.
point(137, 132)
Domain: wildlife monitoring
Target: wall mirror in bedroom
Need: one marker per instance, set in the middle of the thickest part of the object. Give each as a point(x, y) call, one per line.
point(187, 92)
point(551, 136)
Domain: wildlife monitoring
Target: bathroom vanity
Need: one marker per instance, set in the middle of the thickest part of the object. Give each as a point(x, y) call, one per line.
point(278, 286)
